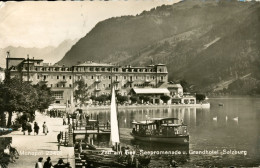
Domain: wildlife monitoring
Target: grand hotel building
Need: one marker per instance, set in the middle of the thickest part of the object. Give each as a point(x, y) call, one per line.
point(98, 76)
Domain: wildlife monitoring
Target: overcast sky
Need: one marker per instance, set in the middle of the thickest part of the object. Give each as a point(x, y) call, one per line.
point(40, 24)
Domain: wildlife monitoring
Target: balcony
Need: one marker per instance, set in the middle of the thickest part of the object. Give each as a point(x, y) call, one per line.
point(97, 81)
point(147, 81)
point(63, 81)
point(130, 81)
point(44, 81)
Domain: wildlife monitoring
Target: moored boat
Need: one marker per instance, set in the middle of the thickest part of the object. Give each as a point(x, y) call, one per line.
point(166, 130)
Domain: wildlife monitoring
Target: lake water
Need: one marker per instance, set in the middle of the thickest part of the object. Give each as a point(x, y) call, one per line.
point(231, 132)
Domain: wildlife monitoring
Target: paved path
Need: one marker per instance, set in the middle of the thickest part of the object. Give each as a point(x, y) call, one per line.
point(32, 147)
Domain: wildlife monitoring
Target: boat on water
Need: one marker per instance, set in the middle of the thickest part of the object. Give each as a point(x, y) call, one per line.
point(220, 104)
point(166, 130)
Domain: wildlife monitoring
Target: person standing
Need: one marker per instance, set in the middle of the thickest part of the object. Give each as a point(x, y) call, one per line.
point(48, 163)
point(24, 127)
point(59, 137)
point(64, 119)
point(39, 163)
point(29, 127)
point(45, 128)
point(36, 128)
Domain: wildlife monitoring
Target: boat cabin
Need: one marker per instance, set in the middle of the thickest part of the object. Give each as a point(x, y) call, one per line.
point(160, 127)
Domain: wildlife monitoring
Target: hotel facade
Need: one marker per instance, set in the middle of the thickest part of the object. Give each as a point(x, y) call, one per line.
point(99, 77)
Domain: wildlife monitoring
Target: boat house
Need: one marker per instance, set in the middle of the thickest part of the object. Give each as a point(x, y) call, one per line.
point(153, 93)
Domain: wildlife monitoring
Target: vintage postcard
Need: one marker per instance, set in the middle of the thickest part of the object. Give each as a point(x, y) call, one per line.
point(135, 84)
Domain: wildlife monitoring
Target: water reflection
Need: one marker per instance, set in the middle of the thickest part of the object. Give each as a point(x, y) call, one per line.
point(236, 127)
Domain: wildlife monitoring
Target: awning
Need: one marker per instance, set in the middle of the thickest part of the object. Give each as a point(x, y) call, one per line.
point(151, 90)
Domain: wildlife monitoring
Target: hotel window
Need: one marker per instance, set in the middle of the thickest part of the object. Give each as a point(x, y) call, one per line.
point(51, 85)
point(63, 85)
point(91, 69)
point(63, 77)
point(38, 76)
point(109, 77)
point(57, 85)
point(104, 85)
point(78, 77)
point(58, 77)
point(57, 94)
point(102, 69)
point(124, 77)
point(70, 77)
point(153, 77)
point(92, 77)
point(161, 77)
point(109, 85)
point(70, 85)
point(36, 69)
point(136, 77)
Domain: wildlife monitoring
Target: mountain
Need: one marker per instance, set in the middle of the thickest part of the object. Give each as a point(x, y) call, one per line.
point(49, 54)
point(203, 42)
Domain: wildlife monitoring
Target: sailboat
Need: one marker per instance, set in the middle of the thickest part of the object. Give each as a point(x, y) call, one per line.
point(114, 135)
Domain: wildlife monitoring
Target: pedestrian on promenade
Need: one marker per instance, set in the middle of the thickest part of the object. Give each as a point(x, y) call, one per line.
point(64, 120)
point(60, 164)
point(48, 163)
point(24, 127)
point(80, 146)
point(45, 128)
point(39, 163)
point(29, 127)
point(59, 137)
point(36, 128)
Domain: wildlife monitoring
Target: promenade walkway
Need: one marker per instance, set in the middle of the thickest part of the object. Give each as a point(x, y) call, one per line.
point(32, 147)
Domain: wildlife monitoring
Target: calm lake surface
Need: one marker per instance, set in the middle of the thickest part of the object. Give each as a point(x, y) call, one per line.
point(231, 131)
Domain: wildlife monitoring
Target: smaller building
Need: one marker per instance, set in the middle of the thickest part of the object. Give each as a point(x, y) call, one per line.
point(175, 89)
point(153, 93)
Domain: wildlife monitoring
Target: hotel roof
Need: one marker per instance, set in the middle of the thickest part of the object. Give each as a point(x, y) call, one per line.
point(87, 64)
point(151, 90)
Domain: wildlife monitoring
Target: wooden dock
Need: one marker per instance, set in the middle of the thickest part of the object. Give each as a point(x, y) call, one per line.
point(83, 131)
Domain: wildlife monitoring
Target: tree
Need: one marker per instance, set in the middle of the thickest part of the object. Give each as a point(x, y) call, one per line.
point(45, 98)
point(20, 96)
point(121, 99)
point(134, 99)
point(144, 98)
point(102, 98)
point(165, 98)
point(200, 97)
point(81, 94)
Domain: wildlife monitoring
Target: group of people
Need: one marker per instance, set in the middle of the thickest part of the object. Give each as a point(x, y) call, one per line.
point(56, 113)
point(48, 164)
point(26, 126)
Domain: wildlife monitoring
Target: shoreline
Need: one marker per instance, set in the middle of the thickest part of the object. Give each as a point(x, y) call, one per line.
point(107, 107)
